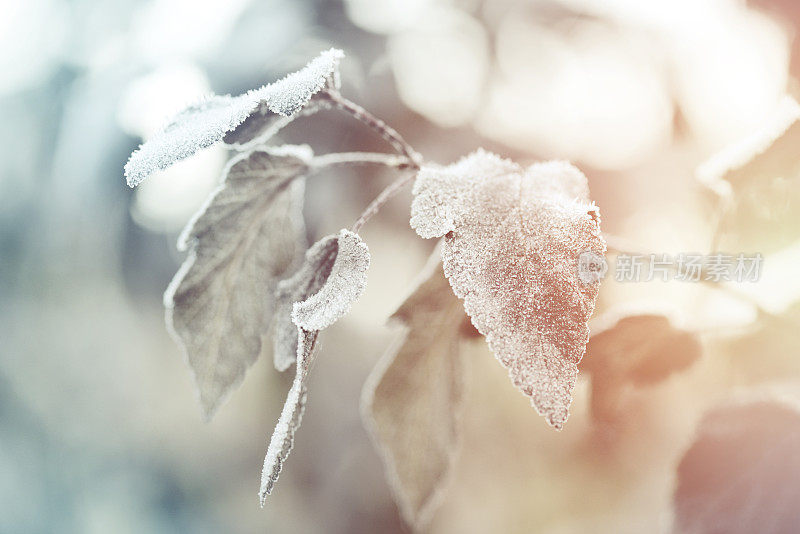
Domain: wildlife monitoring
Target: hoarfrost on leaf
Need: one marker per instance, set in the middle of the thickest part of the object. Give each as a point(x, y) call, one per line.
point(248, 236)
point(259, 113)
point(332, 277)
point(637, 349)
point(412, 401)
point(321, 292)
point(512, 239)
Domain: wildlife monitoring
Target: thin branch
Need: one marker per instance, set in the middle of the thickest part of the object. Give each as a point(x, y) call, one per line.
point(358, 158)
point(374, 207)
point(388, 133)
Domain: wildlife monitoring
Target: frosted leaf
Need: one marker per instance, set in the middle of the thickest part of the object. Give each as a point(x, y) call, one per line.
point(758, 179)
point(413, 399)
point(246, 238)
point(332, 277)
point(321, 292)
point(207, 122)
point(634, 350)
point(289, 98)
point(282, 440)
point(513, 237)
point(741, 473)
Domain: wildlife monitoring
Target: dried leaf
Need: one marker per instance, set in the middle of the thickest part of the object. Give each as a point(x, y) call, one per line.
point(741, 473)
point(206, 123)
point(758, 179)
point(320, 293)
point(331, 279)
point(412, 401)
point(248, 236)
point(634, 350)
point(513, 238)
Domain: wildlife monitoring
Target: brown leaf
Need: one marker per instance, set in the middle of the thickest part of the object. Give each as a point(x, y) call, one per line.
point(412, 401)
point(742, 473)
point(513, 238)
point(634, 350)
point(249, 235)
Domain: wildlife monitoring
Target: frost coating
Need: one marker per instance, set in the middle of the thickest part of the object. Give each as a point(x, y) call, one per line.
point(512, 238)
point(248, 236)
point(282, 440)
point(413, 399)
point(207, 122)
point(321, 292)
point(335, 267)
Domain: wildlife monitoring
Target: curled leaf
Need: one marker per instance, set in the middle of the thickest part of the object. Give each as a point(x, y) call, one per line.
point(634, 350)
point(207, 122)
point(332, 277)
point(412, 401)
point(320, 293)
point(248, 236)
point(512, 242)
point(741, 473)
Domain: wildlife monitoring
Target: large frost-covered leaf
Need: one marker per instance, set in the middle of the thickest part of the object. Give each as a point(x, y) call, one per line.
point(634, 350)
point(513, 238)
point(205, 123)
point(331, 279)
point(742, 473)
point(412, 401)
point(758, 179)
point(248, 236)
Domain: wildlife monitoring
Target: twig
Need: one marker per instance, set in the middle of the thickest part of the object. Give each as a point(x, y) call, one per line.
point(357, 158)
point(388, 133)
point(383, 197)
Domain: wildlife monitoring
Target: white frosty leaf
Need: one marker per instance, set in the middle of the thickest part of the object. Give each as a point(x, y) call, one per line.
point(205, 123)
point(247, 237)
point(282, 440)
point(412, 401)
point(513, 238)
point(741, 473)
point(289, 98)
point(634, 350)
point(332, 277)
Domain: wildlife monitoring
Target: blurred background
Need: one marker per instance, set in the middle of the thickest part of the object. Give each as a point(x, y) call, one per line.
point(100, 430)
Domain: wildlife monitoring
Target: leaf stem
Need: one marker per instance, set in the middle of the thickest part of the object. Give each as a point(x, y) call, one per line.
point(388, 133)
point(383, 197)
point(359, 158)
